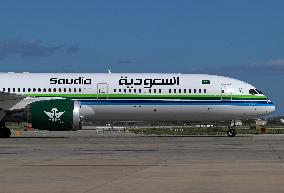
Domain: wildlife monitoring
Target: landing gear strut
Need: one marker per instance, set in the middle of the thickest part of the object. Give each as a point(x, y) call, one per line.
point(4, 131)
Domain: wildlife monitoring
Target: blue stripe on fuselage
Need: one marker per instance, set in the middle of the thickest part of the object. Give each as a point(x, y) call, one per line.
point(175, 102)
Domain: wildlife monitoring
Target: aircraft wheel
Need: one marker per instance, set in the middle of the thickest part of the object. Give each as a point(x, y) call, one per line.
point(231, 132)
point(5, 132)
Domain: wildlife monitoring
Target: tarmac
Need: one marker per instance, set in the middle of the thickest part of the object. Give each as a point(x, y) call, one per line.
point(93, 162)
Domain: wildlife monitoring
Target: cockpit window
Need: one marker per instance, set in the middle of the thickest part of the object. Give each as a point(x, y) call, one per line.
point(252, 91)
point(259, 92)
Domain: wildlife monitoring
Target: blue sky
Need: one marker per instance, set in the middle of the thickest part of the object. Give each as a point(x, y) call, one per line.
point(241, 39)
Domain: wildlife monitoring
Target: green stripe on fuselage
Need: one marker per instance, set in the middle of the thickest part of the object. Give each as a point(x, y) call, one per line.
point(147, 96)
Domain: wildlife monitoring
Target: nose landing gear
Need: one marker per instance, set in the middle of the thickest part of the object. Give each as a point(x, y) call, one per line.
point(232, 129)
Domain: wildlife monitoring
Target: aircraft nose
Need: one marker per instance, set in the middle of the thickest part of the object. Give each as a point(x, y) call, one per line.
point(271, 108)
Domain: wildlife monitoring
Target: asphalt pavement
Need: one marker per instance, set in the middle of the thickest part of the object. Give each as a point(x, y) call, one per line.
point(88, 161)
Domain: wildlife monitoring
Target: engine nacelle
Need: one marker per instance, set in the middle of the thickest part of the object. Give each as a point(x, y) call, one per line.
point(54, 115)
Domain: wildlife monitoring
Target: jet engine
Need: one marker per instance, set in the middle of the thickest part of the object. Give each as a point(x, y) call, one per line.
point(54, 115)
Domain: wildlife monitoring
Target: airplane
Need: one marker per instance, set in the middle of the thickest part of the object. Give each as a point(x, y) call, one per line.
point(62, 101)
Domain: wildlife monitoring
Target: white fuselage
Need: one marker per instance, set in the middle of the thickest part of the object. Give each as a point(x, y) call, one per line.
point(143, 96)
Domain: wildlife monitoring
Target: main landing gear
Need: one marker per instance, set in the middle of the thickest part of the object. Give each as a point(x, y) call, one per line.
point(4, 131)
point(232, 129)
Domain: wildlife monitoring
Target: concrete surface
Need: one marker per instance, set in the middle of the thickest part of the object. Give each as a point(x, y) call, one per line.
point(91, 162)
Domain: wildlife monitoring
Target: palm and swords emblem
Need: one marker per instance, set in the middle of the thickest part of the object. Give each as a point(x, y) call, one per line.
point(54, 115)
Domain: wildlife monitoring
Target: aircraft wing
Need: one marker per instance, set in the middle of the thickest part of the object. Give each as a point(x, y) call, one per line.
point(8, 100)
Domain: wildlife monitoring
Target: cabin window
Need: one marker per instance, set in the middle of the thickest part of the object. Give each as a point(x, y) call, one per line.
point(150, 90)
point(29, 89)
point(184, 90)
point(80, 90)
point(205, 91)
point(114, 90)
point(44, 90)
point(3, 89)
point(175, 90)
point(160, 90)
point(34, 89)
point(39, 90)
point(24, 90)
point(14, 90)
point(194, 90)
point(129, 90)
point(134, 90)
point(179, 90)
point(59, 90)
point(49, 90)
point(19, 90)
point(170, 90)
point(8, 89)
point(124, 90)
point(75, 90)
point(119, 90)
point(155, 90)
point(64, 89)
point(200, 91)
point(70, 90)
point(189, 90)
point(140, 90)
point(54, 90)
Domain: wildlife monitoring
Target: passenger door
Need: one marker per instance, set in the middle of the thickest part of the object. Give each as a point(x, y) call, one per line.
point(226, 92)
point(102, 91)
